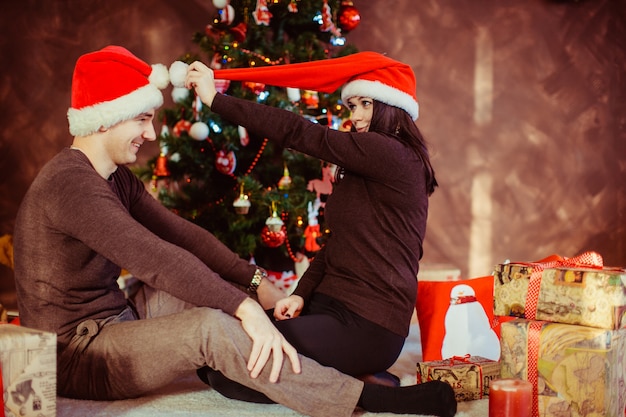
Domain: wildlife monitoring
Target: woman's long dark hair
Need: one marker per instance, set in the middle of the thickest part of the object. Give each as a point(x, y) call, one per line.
point(398, 123)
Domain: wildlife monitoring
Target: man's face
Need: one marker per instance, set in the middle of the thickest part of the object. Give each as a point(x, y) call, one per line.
point(125, 138)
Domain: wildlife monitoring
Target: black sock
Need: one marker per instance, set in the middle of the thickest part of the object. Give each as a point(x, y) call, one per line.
point(431, 398)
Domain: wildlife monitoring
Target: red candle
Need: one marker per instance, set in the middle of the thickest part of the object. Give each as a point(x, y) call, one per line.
point(510, 398)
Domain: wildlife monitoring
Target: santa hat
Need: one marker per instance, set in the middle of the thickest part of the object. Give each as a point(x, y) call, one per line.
point(110, 86)
point(365, 74)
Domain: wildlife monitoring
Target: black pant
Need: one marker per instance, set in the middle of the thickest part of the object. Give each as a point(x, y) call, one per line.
point(332, 335)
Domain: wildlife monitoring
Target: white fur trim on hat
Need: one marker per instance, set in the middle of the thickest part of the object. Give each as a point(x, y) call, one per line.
point(381, 92)
point(89, 119)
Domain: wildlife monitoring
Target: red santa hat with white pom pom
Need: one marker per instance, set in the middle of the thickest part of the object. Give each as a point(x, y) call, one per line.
point(110, 86)
point(364, 74)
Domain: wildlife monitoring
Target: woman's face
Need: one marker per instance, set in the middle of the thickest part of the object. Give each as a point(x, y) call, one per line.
point(362, 109)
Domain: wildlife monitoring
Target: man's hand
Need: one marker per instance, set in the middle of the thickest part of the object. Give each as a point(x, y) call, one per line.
point(200, 78)
point(266, 340)
point(289, 307)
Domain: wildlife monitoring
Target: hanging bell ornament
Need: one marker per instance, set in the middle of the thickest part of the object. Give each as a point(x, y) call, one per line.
point(160, 169)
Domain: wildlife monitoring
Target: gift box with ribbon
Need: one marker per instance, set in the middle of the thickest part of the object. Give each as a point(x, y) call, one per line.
point(575, 370)
point(577, 290)
point(469, 376)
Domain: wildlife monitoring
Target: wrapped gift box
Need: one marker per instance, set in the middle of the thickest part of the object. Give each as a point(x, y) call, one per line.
point(577, 370)
point(581, 296)
point(28, 364)
point(469, 376)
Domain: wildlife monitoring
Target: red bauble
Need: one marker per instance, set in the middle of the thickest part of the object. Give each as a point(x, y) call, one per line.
point(225, 162)
point(273, 239)
point(180, 127)
point(349, 17)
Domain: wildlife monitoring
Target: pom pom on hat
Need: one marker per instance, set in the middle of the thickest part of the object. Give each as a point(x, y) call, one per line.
point(178, 73)
point(110, 86)
point(159, 76)
point(365, 74)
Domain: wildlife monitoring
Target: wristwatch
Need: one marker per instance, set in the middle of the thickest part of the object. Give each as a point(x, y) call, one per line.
point(258, 276)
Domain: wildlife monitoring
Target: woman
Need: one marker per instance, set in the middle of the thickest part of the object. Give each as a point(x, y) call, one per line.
point(352, 308)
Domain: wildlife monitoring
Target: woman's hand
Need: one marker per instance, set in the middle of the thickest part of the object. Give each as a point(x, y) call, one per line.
point(269, 294)
point(266, 341)
point(200, 78)
point(288, 307)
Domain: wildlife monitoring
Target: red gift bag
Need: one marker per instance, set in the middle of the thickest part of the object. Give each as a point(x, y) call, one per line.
point(456, 319)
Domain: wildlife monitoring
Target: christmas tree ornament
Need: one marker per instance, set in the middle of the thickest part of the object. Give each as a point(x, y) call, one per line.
point(285, 182)
point(197, 107)
point(256, 88)
point(180, 127)
point(273, 239)
point(261, 14)
point(345, 125)
point(225, 162)
point(160, 169)
point(222, 86)
point(227, 15)
point(274, 223)
point(175, 157)
point(293, 6)
point(349, 17)
point(242, 203)
point(199, 131)
point(239, 31)
point(179, 94)
point(311, 234)
point(293, 94)
point(165, 130)
point(311, 99)
point(244, 136)
point(327, 24)
point(220, 4)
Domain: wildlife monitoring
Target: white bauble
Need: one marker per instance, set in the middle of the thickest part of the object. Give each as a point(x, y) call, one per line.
point(179, 94)
point(293, 94)
point(220, 4)
point(199, 131)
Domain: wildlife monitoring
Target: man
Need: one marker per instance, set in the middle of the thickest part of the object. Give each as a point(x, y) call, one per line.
point(86, 216)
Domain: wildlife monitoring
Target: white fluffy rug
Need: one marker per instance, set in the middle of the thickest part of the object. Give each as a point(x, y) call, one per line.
point(190, 397)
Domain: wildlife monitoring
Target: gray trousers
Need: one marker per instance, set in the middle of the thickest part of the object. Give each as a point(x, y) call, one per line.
point(126, 356)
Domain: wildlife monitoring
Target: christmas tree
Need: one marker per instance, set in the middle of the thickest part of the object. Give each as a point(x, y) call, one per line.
point(260, 200)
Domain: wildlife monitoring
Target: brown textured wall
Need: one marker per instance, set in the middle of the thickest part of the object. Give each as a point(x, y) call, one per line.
point(523, 104)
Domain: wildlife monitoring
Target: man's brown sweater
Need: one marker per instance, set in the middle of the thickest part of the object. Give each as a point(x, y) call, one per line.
point(75, 231)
